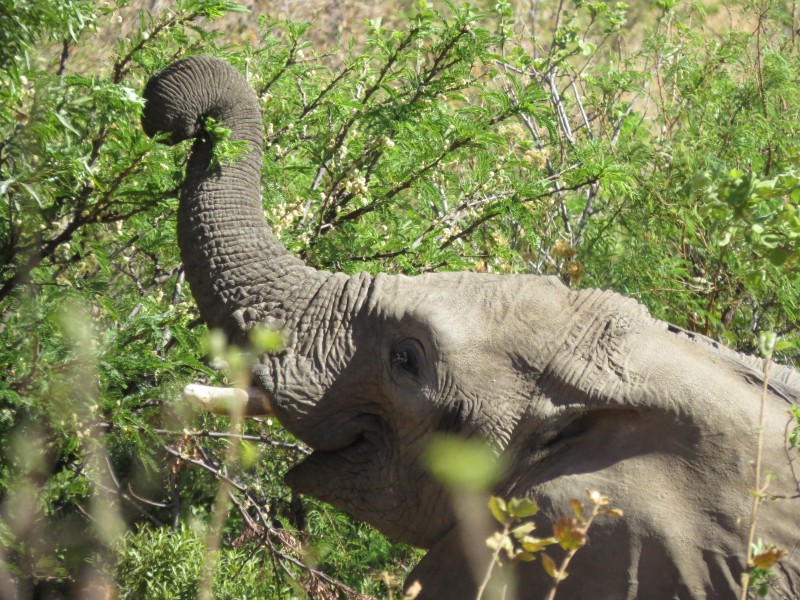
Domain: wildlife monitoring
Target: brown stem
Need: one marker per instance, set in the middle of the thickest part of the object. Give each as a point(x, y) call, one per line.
point(758, 493)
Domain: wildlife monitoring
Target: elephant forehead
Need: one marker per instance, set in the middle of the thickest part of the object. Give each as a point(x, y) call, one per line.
point(462, 308)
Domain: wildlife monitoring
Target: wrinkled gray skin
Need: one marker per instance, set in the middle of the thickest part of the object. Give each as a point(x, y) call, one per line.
point(580, 389)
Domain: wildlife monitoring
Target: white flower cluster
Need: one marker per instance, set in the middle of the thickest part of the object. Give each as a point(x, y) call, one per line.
point(514, 132)
point(305, 238)
point(452, 230)
point(536, 156)
point(356, 186)
point(285, 216)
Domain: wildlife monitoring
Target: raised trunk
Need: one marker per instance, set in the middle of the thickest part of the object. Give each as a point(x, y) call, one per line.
point(238, 271)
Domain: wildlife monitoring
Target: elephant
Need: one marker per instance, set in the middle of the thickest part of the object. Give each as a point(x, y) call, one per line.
point(577, 389)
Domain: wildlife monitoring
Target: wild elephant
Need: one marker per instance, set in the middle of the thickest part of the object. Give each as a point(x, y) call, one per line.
point(579, 389)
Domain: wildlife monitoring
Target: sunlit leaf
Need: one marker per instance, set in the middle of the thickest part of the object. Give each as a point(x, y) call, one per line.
point(499, 510)
point(577, 509)
point(551, 569)
point(520, 531)
point(522, 507)
point(597, 498)
point(769, 558)
point(268, 339)
point(570, 533)
point(532, 544)
point(461, 463)
point(526, 556)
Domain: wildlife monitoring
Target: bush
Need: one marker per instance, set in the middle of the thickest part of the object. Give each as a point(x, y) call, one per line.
point(167, 563)
point(660, 160)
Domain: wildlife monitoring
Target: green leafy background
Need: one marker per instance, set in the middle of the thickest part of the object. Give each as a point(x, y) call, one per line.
point(651, 149)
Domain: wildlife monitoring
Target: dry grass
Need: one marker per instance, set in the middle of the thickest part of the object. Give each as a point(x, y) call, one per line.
point(335, 23)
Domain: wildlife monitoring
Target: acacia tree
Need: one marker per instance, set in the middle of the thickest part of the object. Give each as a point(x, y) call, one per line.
point(662, 164)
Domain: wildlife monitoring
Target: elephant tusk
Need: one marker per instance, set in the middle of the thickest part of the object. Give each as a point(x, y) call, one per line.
point(250, 402)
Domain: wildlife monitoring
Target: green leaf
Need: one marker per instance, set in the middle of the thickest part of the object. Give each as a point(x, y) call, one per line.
point(498, 508)
point(779, 255)
point(570, 533)
point(249, 453)
point(551, 569)
point(32, 191)
point(522, 507)
point(521, 531)
point(65, 122)
point(225, 151)
point(268, 339)
point(532, 544)
point(462, 463)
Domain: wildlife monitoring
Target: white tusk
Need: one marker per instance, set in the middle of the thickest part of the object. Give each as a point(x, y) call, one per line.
point(251, 402)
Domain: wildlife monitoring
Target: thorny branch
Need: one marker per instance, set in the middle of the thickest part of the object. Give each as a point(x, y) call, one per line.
point(282, 545)
point(214, 435)
point(133, 500)
point(37, 253)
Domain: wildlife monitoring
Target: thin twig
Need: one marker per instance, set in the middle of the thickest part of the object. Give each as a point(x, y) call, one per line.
point(261, 439)
point(121, 494)
point(62, 65)
point(218, 517)
point(266, 526)
point(758, 492)
point(495, 560)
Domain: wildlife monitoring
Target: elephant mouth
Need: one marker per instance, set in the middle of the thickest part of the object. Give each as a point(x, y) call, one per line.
point(322, 473)
point(336, 436)
point(357, 443)
point(344, 440)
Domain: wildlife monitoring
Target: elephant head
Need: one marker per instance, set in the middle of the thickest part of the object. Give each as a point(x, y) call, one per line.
point(578, 389)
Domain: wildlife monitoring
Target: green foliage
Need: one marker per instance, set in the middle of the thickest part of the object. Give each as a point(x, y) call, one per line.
point(708, 238)
point(764, 215)
point(515, 542)
point(762, 576)
point(794, 435)
point(26, 23)
point(166, 563)
point(463, 464)
point(225, 151)
point(621, 146)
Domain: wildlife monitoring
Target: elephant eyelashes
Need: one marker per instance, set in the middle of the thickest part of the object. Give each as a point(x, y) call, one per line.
point(406, 358)
point(406, 361)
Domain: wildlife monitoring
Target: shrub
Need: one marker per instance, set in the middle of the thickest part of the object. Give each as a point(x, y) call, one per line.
point(659, 160)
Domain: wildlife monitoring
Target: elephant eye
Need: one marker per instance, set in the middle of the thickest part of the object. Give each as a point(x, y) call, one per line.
point(405, 356)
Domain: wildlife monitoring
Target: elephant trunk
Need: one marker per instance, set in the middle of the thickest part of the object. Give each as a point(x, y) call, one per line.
point(233, 261)
point(238, 271)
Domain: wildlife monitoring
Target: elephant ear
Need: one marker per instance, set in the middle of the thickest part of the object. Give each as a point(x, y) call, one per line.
point(238, 271)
